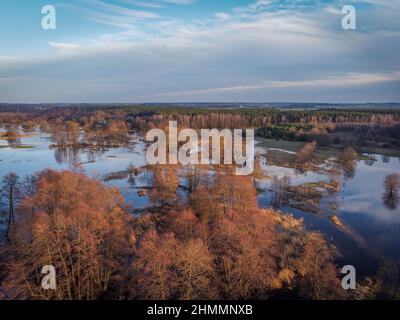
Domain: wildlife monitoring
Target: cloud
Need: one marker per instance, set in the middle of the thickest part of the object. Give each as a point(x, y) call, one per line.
point(180, 1)
point(334, 81)
point(275, 5)
point(333, 10)
point(258, 55)
point(65, 46)
point(158, 4)
point(222, 16)
point(109, 14)
point(121, 11)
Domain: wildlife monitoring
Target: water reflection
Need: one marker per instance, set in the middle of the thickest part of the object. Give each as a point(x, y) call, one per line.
point(385, 158)
point(370, 162)
point(73, 155)
point(11, 135)
point(13, 142)
point(347, 163)
point(391, 197)
point(360, 203)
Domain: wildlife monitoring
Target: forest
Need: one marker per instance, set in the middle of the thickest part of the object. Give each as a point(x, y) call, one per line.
point(216, 243)
point(222, 246)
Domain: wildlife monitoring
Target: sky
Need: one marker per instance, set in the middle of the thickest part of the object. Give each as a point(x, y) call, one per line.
point(131, 51)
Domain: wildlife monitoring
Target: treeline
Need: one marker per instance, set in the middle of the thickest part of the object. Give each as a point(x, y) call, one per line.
point(108, 126)
point(344, 134)
point(218, 246)
point(248, 118)
point(208, 118)
point(69, 129)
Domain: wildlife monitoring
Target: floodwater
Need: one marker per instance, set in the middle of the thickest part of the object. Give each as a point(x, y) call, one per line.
point(375, 235)
point(359, 203)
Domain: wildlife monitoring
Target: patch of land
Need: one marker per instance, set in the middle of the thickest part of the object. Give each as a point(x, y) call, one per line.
point(17, 147)
point(324, 152)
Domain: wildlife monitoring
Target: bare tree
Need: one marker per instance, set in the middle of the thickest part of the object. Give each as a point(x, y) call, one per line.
point(11, 188)
point(193, 176)
point(79, 227)
point(391, 197)
point(279, 190)
point(306, 153)
point(348, 162)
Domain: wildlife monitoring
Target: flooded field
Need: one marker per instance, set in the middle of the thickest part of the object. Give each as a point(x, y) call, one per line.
point(365, 229)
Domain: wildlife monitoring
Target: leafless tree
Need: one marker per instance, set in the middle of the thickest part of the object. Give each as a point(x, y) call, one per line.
point(11, 188)
point(391, 197)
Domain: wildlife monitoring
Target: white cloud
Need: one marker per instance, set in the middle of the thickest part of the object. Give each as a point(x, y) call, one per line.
point(65, 46)
point(222, 16)
point(333, 81)
point(333, 10)
point(180, 1)
point(224, 55)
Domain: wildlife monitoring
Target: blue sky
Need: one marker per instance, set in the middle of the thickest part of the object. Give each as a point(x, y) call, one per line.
point(199, 50)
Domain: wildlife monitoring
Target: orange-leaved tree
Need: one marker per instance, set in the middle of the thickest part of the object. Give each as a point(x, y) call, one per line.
point(78, 226)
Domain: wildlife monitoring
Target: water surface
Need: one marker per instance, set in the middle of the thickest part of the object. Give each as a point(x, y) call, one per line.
point(359, 202)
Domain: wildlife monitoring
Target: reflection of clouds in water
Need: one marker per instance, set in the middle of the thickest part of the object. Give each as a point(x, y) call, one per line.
point(366, 204)
point(263, 150)
point(278, 171)
point(363, 194)
point(297, 178)
point(29, 161)
point(124, 158)
point(379, 168)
